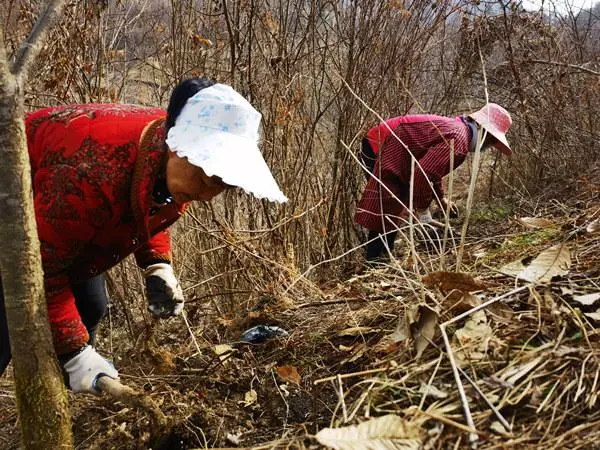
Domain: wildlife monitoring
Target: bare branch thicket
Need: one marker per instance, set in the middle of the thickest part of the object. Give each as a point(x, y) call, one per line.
point(290, 58)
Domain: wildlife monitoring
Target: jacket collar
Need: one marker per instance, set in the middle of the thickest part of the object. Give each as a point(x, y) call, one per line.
point(473, 131)
point(151, 161)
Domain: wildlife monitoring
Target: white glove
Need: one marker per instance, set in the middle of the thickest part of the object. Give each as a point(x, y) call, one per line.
point(424, 215)
point(85, 368)
point(165, 297)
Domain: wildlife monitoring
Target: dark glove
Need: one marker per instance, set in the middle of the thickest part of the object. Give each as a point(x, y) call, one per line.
point(165, 297)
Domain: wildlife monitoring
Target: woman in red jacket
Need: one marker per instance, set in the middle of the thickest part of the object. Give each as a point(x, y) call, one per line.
point(108, 181)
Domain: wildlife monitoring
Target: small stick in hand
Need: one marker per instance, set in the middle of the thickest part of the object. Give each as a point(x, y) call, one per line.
point(132, 397)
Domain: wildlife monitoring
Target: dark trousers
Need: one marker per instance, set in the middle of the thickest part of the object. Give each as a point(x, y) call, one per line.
point(90, 299)
point(368, 157)
point(377, 249)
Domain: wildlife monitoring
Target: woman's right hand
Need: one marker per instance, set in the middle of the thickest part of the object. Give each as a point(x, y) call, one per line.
point(85, 368)
point(424, 216)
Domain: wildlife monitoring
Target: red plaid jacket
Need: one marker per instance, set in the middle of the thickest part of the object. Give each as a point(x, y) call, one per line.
point(428, 138)
point(94, 169)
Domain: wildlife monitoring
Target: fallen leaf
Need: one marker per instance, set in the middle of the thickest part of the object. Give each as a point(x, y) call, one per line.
point(588, 299)
point(234, 438)
point(458, 302)
point(160, 358)
point(411, 315)
point(358, 331)
point(386, 346)
point(514, 268)
point(250, 398)
point(552, 262)
point(424, 329)
point(224, 321)
point(548, 299)
point(284, 389)
point(387, 432)
point(501, 312)
point(594, 226)
point(497, 427)
point(432, 391)
point(357, 353)
point(566, 290)
point(402, 331)
point(479, 250)
point(418, 322)
point(448, 281)
point(385, 285)
point(535, 222)
point(513, 374)
point(595, 316)
point(224, 352)
point(221, 349)
point(289, 374)
point(345, 348)
point(472, 340)
point(390, 342)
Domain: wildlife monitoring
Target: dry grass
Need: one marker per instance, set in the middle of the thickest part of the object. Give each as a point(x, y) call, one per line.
point(243, 262)
point(540, 368)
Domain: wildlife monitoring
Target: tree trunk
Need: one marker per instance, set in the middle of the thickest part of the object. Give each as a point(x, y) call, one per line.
point(40, 392)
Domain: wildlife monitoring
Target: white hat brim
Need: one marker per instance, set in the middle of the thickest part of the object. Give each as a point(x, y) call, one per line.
point(234, 159)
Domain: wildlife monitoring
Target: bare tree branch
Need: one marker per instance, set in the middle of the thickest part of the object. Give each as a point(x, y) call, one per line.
point(32, 45)
point(562, 64)
point(134, 398)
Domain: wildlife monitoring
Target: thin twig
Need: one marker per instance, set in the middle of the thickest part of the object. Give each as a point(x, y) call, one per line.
point(340, 392)
point(187, 324)
point(473, 437)
point(287, 406)
point(134, 398)
point(485, 305)
point(497, 413)
point(447, 421)
point(342, 300)
point(350, 375)
point(563, 64)
point(455, 369)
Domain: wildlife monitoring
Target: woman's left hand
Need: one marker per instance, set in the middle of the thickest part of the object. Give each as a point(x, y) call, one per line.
point(165, 297)
point(450, 207)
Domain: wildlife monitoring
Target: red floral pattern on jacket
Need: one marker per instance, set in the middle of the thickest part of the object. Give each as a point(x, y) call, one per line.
point(94, 168)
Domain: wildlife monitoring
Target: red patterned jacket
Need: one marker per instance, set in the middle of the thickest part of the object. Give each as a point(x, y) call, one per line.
point(429, 139)
point(94, 169)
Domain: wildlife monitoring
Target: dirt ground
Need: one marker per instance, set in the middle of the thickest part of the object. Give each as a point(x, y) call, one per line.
point(359, 348)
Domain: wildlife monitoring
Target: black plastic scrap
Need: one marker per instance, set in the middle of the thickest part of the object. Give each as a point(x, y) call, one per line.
point(261, 333)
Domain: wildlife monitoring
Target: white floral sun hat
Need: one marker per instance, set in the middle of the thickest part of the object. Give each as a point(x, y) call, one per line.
point(217, 130)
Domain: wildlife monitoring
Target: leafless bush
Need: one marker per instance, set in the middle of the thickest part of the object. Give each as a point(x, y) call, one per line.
point(292, 59)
